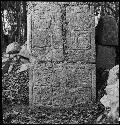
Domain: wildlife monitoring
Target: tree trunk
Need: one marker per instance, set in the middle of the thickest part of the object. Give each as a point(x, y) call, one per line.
point(2, 39)
point(25, 20)
point(17, 35)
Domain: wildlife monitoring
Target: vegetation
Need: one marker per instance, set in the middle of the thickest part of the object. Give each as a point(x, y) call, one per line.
point(13, 22)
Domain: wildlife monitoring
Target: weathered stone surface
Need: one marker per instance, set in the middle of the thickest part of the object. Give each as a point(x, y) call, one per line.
point(23, 67)
point(72, 75)
point(13, 48)
point(113, 75)
point(43, 75)
point(48, 54)
point(46, 95)
point(75, 55)
point(80, 34)
point(58, 55)
point(24, 51)
point(83, 95)
point(43, 53)
point(79, 75)
point(41, 38)
point(42, 95)
point(80, 55)
point(69, 98)
point(107, 31)
point(78, 40)
point(79, 18)
point(111, 99)
point(47, 23)
point(61, 76)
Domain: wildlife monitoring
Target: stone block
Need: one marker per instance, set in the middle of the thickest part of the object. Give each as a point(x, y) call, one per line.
point(107, 31)
point(60, 80)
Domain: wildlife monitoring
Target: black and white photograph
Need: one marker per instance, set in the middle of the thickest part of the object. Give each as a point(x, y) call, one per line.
point(60, 62)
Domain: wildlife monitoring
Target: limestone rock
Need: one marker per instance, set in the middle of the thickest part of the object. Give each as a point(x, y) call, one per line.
point(114, 112)
point(112, 89)
point(23, 60)
point(4, 60)
point(113, 92)
point(13, 48)
point(113, 75)
point(23, 67)
point(24, 51)
point(105, 101)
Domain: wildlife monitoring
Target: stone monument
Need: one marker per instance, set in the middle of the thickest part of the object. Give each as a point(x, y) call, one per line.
point(62, 45)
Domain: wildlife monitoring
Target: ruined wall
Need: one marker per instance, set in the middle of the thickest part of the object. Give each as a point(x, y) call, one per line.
point(62, 71)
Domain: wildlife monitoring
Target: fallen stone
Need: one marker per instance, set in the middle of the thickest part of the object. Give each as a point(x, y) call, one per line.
point(5, 59)
point(24, 51)
point(113, 75)
point(23, 60)
point(105, 101)
point(112, 89)
point(23, 67)
point(13, 48)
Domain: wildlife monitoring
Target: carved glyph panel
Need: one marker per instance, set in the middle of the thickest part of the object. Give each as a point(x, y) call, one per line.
point(60, 50)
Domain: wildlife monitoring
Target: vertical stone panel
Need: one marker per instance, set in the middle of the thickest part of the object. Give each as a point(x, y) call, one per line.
point(80, 33)
point(46, 25)
point(62, 49)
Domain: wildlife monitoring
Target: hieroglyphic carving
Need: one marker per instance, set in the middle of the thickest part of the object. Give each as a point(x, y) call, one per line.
point(59, 81)
point(79, 40)
point(47, 25)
